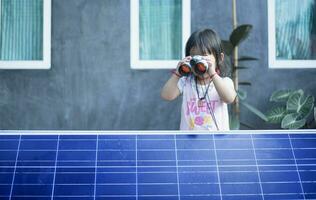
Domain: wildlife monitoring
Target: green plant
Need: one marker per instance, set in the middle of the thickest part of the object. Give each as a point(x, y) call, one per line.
point(237, 36)
point(232, 59)
point(293, 110)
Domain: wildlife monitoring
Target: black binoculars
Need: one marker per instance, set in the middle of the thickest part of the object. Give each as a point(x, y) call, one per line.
point(196, 64)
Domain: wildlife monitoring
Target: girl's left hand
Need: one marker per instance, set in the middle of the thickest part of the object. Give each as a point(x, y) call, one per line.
point(211, 63)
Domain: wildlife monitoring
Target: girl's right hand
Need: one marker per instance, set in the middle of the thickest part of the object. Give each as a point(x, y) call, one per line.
point(184, 60)
point(182, 71)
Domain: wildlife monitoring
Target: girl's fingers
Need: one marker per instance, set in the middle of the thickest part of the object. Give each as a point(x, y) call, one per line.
point(188, 58)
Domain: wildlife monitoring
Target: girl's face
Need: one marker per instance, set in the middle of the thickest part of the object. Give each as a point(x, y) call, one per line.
point(210, 60)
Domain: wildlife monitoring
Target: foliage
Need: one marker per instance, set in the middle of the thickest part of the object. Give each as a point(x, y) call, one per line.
point(237, 36)
point(294, 110)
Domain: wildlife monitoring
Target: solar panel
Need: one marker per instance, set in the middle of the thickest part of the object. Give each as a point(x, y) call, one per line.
point(165, 167)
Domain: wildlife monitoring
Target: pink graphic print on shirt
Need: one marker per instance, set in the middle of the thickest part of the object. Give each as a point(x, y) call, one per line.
point(193, 108)
point(200, 115)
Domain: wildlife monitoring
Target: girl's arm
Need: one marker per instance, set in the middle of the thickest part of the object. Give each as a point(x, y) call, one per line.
point(225, 88)
point(170, 90)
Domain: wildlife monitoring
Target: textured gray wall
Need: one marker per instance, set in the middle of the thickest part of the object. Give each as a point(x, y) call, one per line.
point(91, 86)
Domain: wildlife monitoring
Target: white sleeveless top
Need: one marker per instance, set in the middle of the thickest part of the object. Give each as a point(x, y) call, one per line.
point(197, 115)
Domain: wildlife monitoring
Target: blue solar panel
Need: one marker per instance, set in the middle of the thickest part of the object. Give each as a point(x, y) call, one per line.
point(147, 167)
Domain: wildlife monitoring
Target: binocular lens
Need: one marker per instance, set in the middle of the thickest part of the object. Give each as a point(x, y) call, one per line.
point(200, 68)
point(184, 70)
point(197, 64)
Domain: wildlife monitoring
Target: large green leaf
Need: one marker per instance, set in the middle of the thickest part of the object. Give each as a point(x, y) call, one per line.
point(242, 94)
point(275, 115)
point(227, 47)
point(241, 67)
point(298, 103)
point(307, 106)
point(247, 58)
point(244, 83)
point(239, 34)
point(255, 111)
point(246, 125)
point(294, 101)
point(281, 95)
point(234, 123)
point(292, 121)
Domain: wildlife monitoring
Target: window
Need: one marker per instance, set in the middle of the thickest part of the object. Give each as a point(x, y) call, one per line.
point(159, 30)
point(292, 33)
point(25, 34)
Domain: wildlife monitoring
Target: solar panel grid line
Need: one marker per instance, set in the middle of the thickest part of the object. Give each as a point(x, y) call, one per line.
point(55, 168)
point(91, 150)
point(136, 163)
point(257, 167)
point(217, 169)
point(176, 156)
point(16, 161)
point(299, 176)
point(193, 195)
point(188, 183)
point(271, 159)
point(193, 183)
point(96, 168)
point(182, 172)
point(167, 166)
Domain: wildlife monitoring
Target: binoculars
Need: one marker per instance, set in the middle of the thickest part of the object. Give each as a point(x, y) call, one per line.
point(196, 64)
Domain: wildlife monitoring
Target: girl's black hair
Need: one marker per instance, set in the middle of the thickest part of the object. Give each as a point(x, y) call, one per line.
point(207, 41)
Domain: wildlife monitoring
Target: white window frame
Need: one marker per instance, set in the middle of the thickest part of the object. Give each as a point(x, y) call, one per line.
point(136, 62)
point(273, 62)
point(38, 64)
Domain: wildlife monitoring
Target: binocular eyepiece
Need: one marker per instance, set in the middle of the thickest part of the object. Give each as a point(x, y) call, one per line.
point(196, 64)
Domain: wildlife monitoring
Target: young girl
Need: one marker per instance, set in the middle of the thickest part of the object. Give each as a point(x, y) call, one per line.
point(205, 96)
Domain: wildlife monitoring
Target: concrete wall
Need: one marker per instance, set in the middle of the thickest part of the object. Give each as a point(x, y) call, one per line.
point(91, 86)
